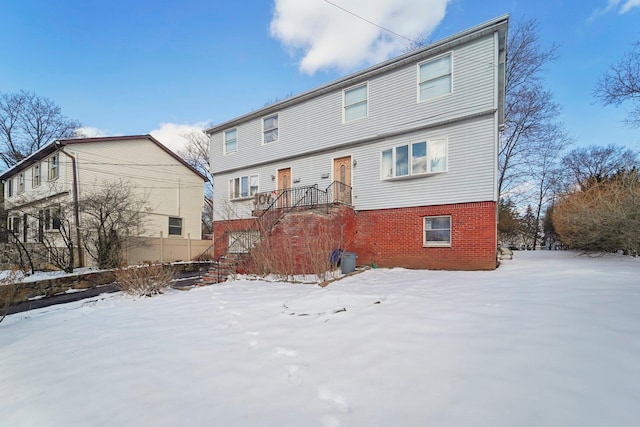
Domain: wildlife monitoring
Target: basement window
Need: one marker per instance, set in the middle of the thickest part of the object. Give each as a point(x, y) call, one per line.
point(437, 231)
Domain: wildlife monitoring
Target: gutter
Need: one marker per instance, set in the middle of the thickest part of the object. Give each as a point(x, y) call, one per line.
point(76, 203)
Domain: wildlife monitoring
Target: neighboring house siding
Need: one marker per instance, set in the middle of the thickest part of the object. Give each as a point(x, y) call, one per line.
point(393, 106)
point(169, 187)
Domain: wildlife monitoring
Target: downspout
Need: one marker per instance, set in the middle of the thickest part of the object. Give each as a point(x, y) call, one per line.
point(76, 205)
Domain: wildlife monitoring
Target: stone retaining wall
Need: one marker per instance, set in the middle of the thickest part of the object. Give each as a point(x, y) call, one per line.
point(24, 291)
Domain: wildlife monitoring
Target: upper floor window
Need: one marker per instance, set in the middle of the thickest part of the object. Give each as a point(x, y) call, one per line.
point(270, 129)
point(243, 186)
point(21, 183)
point(230, 141)
point(175, 226)
point(414, 159)
point(54, 167)
point(10, 187)
point(434, 78)
point(355, 102)
point(37, 175)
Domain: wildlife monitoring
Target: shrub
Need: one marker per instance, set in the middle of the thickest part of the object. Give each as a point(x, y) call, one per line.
point(145, 280)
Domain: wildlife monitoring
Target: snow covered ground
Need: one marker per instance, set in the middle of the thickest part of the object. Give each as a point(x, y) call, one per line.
point(548, 339)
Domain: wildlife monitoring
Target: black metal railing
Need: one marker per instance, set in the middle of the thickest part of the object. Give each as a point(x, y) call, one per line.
point(270, 208)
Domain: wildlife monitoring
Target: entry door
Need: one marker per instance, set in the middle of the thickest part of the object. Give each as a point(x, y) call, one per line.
point(342, 180)
point(284, 185)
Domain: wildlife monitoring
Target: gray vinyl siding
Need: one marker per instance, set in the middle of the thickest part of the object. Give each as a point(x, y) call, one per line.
point(392, 103)
point(312, 133)
point(470, 175)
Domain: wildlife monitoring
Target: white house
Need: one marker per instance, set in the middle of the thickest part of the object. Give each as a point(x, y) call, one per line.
point(409, 145)
point(54, 179)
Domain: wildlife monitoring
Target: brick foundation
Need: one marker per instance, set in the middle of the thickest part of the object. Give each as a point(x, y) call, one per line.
point(385, 238)
point(394, 237)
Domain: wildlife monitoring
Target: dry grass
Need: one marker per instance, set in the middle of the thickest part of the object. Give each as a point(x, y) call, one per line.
point(145, 280)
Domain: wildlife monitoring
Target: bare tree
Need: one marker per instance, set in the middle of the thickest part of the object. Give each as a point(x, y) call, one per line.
point(545, 172)
point(596, 163)
point(29, 121)
point(112, 213)
point(196, 153)
point(529, 108)
point(621, 83)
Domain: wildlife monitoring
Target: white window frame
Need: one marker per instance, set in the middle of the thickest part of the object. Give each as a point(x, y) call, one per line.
point(225, 141)
point(52, 218)
point(431, 145)
point(421, 82)
point(21, 183)
point(9, 187)
point(36, 178)
point(435, 243)
point(54, 167)
point(346, 107)
point(275, 129)
point(175, 227)
point(235, 187)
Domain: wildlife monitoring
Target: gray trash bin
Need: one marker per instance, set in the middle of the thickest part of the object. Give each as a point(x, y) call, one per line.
point(348, 263)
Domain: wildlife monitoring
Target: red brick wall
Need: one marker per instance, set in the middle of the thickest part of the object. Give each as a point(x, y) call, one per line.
point(386, 238)
point(394, 237)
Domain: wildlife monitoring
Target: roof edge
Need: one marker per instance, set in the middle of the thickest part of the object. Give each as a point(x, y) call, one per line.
point(470, 33)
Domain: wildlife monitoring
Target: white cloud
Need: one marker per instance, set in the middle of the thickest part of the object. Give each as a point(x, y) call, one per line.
point(328, 37)
point(91, 132)
point(615, 5)
point(628, 5)
point(171, 134)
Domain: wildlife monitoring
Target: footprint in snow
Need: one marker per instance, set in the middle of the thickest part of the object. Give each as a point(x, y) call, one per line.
point(281, 351)
point(294, 374)
point(339, 403)
point(329, 421)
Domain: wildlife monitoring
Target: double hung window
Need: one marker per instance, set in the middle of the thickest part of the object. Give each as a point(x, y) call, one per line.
point(175, 226)
point(434, 78)
point(37, 175)
point(270, 129)
point(54, 167)
point(230, 141)
point(355, 102)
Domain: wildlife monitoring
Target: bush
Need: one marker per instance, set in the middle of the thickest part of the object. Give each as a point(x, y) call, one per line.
point(604, 216)
point(145, 280)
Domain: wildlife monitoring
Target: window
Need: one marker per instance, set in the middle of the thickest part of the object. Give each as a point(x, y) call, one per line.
point(21, 183)
point(415, 159)
point(355, 102)
point(240, 242)
point(437, 231)
point(175, 226)
point(434, 78)
point(270, 129)
point(54, 167)
point(52, 218)
point(230, 141)
point(242, 187)
point(10, 187)
point(36, 175)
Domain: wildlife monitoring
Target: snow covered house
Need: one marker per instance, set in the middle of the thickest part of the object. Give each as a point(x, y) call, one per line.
point(46, 187)
point(404, 153)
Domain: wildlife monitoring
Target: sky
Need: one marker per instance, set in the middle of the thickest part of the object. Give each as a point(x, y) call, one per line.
point(164, 67)
point(551, 338)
